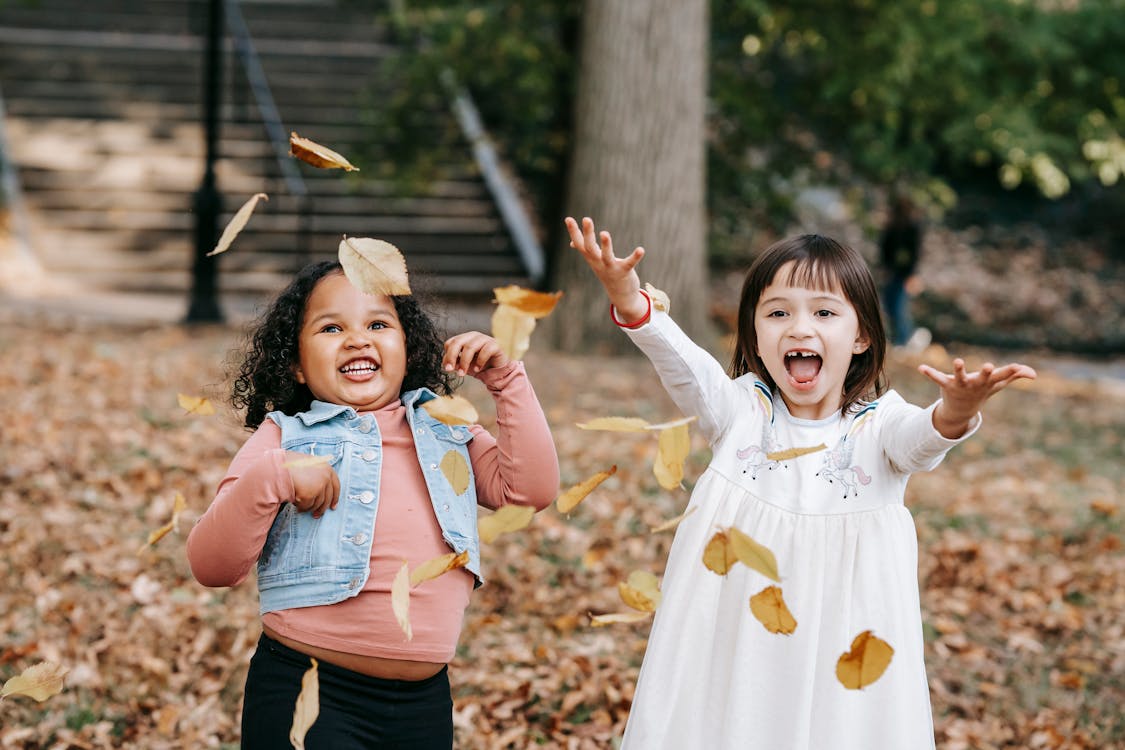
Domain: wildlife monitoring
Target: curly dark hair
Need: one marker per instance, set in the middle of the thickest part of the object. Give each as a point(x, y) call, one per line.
point(265, 378)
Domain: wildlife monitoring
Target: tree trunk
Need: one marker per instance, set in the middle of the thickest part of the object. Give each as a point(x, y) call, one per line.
point(637, 166)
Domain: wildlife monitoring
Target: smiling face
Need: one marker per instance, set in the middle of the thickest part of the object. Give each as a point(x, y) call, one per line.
point(352, 346)
point(806, 338)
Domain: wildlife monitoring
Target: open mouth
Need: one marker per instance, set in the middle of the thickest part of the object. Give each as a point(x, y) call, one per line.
point(359, 369)
point(803, 366)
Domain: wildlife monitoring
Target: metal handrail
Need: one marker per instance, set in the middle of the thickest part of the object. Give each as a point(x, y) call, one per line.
point(13, 197)
point(271, 119)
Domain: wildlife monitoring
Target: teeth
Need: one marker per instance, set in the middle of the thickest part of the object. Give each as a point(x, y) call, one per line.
point(802, 354)
point(359, 367)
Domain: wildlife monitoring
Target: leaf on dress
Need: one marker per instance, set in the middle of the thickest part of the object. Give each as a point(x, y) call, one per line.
point(38, 682)
point(731, 545)
point(618, 617)
point(768, 605)
point(718, 555)
point(570, 499)
point(400, 599)
point(374, 266)
point(512, 330)
point(311, 152)
point(536, 304)
point(865, 663)
point(672, 450)
point(199, 405)
point(307, 709)
point(179, 505)
point(506, 518)
point(438, 566)
point(237, 223)
point(789, 453)
point(452, 410)
point(641, 592)
point(456, 470)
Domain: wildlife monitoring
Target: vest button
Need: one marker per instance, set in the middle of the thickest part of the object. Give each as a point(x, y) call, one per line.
point(366, 497)
point(359, 538)
point(364, 425)
point(368, 455)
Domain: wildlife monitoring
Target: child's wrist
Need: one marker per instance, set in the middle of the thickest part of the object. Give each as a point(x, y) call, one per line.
point(635, 319)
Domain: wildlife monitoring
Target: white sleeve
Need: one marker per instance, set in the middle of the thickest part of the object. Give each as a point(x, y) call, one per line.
point(908, 436)
point(693, 378)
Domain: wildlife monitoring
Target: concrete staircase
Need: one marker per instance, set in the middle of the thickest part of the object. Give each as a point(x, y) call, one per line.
point(103, 121)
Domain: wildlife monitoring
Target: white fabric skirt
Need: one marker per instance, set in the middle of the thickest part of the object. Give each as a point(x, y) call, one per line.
point(714, 678)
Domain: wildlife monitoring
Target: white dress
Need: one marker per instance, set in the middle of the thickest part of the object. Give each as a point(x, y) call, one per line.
point(713, 677)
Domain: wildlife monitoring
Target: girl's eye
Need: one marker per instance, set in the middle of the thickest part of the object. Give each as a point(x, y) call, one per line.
point(330, 328)
point(776, 314)
point(378, 324)
point(824, 313)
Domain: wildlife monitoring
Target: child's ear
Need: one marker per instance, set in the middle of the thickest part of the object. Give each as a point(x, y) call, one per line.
point(861, 345)
point(298, 374)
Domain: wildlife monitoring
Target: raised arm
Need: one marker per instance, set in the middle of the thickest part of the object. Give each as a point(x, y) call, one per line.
point(963, 393)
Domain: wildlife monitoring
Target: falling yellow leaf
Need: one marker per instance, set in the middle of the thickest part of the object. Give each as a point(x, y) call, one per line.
point(672, 450)
point(199, 405)
point(641, 592)
point(789, 453)
point(179, 505)
point(618, 617)
point(672, 523)
point(38, 682)
point(535, 304)
point(452, 410)
point(439, 565)
point(313, 153)
point(506, 518)
point(512, 330)
point(768, 606)
point(753, 555)
point(659, 299)
point(456, 470)
point(308, 707)
point(400, 599)
point(865, 663)
point(301, 463)
point(374, 266)
point(570, 499)
point(660, 427)
point(616, 424)
point(237, 223)
point(718, 555)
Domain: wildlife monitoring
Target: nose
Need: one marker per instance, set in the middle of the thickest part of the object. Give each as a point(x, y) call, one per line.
point(800, 325)
point(357, 340)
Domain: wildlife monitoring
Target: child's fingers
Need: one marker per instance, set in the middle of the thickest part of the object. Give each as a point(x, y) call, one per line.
point(631, 260)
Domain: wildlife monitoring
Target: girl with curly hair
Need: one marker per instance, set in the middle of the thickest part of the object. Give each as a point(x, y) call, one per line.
point(346, 477)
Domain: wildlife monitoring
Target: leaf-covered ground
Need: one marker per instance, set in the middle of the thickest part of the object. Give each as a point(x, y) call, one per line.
point(1021, 532)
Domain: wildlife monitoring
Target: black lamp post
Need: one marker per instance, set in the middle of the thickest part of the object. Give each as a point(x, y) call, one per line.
point(207, 202)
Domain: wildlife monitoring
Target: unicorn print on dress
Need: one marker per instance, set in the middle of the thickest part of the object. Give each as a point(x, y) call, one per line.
point(756, 457)
point(837, 467)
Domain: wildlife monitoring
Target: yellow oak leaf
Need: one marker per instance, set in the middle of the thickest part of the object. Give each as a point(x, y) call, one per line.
point(865, 663)
point(672, 450)
point(718, 555)
point(456, 470)
point(38, 682)
point(437, 566)
point(769, 607)
point(618, 617)
point(199, 405)
point(641, 591)
point(789, 453)
point(307, 709)
point(753, 555)
point(616, 424)
point(535, 304)
point(506, 518)
point(374, 266)
point(237, 223)
point(672, 523)
point(310, 460)
point(660, 299)
point(452, 410)
point(400, 599)
point(512, 330)
point(179, 505)
point(570, 499)
point(311, 152)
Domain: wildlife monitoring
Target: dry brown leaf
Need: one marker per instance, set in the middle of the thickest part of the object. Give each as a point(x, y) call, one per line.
point(311, 152)
point(535, 304)
point(506, 518)
point(616, 424)
point(768, 605)
point(198, 405)
point(374, 266)
point(672, 523)
point(456, 470)
point(38, 682)
point(237, 223)
point(512, 330)
point(438, 566)
point(452, 410)
point(753, 555)
point(400, 599)
point(672, 450)
point(618, 617)
point(307, 709)
point(718, 555)
point(1103, 507)
point(660, 299)
point(865, 662)
point(641, 592)
point(789, 453)
point(311, 460)
point(570, 499)
point(179, 505)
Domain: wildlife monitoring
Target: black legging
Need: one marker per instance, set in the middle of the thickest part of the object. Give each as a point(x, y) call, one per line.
point(357, 712)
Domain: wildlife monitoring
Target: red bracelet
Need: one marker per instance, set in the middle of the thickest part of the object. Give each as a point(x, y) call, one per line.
point(644, 319)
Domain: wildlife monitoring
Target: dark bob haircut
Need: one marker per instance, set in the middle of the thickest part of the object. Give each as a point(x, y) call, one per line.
point(265, 380)
point(819, 263)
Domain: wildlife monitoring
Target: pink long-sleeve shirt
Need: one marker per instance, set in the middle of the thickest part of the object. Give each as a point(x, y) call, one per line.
point(518, 467)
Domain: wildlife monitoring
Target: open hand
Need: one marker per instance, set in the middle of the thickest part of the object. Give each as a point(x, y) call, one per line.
point(472, 353)
point(316, 487)
point(618, 275)
point(963, 392)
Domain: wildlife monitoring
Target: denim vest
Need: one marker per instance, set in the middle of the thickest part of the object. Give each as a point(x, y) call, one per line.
point(310, 561)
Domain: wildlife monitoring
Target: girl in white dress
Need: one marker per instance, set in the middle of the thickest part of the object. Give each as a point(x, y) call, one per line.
point(811, 456)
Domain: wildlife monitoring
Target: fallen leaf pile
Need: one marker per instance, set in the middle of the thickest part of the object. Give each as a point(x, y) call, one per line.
point(1021, 536)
